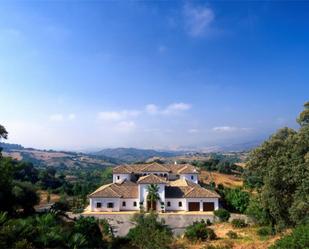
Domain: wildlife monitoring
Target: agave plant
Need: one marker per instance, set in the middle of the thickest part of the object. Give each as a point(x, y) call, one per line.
point(77, 241)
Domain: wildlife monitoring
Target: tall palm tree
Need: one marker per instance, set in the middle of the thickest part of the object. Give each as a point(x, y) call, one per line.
point(153, 194)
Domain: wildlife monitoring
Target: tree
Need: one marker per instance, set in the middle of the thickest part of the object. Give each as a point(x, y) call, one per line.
point(153, 194)
point(3, 133)
point(149, 233)
point(237, 199)
point(303, 118)
point(279, 170)
point(298, 239)
point(25, 196)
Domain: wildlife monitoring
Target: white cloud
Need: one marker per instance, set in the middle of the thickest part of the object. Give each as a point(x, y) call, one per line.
point(152, 109)
point(117, 116)
point(193, 131)
point(170, 109)
point(56, 117)
point(125, 126)
point(176, 107)
point(71, 116)
point(198, 19)
point(229, 129)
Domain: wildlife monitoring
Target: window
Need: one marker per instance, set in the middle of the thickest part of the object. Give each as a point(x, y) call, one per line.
point(110, 205)
point(168, 203)
point(134, 204)
point(180, 204)
point(118, 177)
point(123, 203)
point(192, 177)
point(99, 204)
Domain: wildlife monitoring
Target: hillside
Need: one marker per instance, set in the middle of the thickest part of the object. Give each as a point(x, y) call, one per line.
point(57, 159)
point(131, 155)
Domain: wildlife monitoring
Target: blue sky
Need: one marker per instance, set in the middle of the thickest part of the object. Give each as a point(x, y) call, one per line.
point(168, 74)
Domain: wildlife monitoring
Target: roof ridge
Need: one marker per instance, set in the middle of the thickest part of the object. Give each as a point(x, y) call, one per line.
point(120, 195)
point(101, 188)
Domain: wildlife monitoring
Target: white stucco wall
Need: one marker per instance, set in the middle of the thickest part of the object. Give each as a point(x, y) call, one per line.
point(142, 190)
point(129, 204)
point(175, 204)
point(188, 177)
point(201, 200)
point(121, 177)
point(104, 201)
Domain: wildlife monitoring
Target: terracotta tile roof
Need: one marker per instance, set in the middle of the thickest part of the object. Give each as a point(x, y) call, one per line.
point(151, 179)
point(199, 192)
point(185, 189)
point(187, 169)
point(155, 167)
point(124, 189)
point(122, 169)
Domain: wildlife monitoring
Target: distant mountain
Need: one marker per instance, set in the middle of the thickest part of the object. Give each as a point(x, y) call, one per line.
point(247, 146)
point(131, 155)
point(6, 146)
point(57, 159)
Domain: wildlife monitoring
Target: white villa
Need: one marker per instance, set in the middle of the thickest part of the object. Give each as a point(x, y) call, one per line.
point(177, 184)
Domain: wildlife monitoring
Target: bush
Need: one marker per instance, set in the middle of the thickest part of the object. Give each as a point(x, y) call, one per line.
point(256, 211)
point(236, 199)
point(299, 239)
point(239, 223)
point(149, 233)
point(231, 234)
point(199, 231)
point(265, 231)
point(222, 214)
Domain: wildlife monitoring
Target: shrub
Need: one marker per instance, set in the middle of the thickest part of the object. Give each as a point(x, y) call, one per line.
point(256, 211)
point(231, 234)
point(298, 239)
point(222, 214)
point(236, 199)
point(199, 231)
point(239, 223)
point(265, 231)
point(149, 233)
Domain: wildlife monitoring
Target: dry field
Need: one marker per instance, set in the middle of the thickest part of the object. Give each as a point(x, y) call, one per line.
point(247, 238)
point(43, 197)
point(227, 180)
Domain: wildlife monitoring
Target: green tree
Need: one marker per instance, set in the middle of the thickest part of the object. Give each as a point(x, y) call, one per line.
point(3, 135)
point(303, 118)
point(149, 233)
point(3, 132)
point(298, 239)
point(279, 170)
point(25, 196)
point(153, 194)
point(237, 199)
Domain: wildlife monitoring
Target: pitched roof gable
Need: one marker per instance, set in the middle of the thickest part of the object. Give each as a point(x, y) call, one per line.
point(151, 179)
point(124, 189)
point(155, 167)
